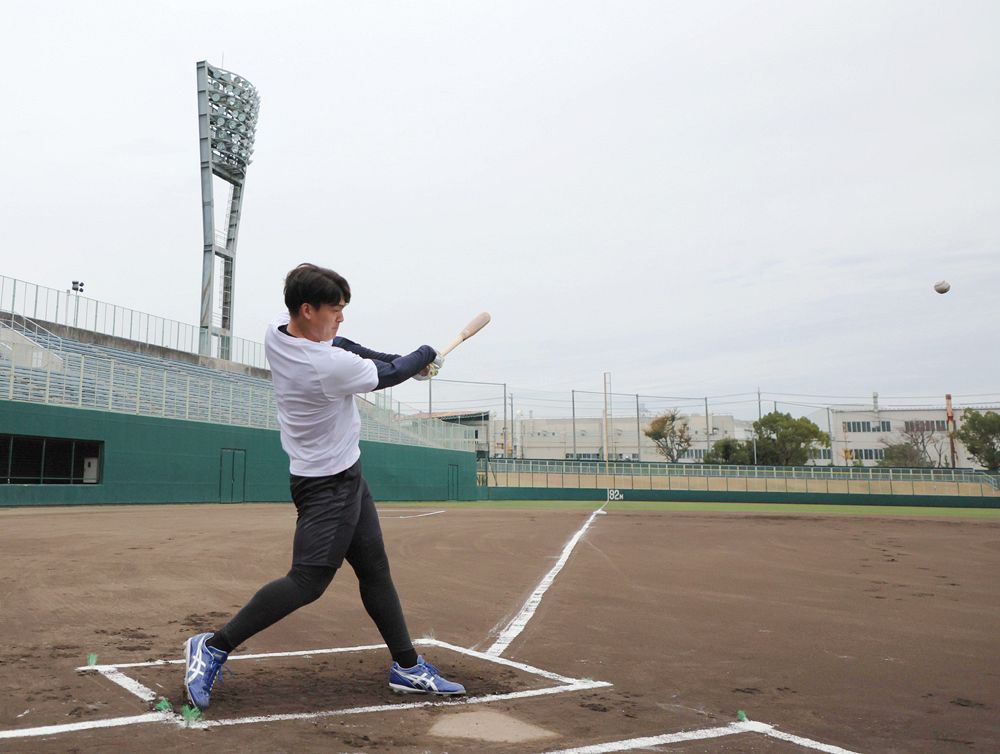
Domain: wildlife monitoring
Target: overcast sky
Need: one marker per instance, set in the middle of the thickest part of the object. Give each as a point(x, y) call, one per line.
point(698, 197)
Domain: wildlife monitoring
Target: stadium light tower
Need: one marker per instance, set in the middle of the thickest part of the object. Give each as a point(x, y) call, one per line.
point(227, 120)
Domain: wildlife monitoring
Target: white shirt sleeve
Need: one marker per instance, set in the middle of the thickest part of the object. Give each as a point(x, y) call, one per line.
point(344, 373)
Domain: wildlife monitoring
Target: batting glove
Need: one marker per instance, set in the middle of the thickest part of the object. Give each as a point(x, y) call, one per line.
point(432, 369)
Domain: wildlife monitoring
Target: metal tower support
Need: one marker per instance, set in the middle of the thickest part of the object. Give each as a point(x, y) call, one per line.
point(227, 119)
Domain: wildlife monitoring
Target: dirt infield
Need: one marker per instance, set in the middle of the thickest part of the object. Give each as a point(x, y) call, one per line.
point(868, 634)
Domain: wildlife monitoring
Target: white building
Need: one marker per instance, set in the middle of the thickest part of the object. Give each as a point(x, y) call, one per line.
point(860, 434)
point(586, 438)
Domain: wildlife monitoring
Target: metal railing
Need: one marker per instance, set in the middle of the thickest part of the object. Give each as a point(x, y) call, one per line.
point(67, 308)
point(828, 473)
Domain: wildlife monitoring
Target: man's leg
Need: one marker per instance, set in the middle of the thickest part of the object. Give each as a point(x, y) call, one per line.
point(274, 601)
point(409, 673)
point(205, 653)
point(378, 594)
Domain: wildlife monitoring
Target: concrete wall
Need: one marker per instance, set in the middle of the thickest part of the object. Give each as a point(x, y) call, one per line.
point(153, 460)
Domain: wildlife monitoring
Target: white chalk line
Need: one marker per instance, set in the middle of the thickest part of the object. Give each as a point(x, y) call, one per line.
point(807, 742)
point(517, 624)
point(111, 722)
point(748, 726)
point(421, 515)
point(647, 741)
point(265, 655)
point(486, 698)
point(423, 642)
point(500, 661)
point(603, 748)
point(130, 684)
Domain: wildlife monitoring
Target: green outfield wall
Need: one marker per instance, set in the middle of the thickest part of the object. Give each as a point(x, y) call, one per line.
point(719, 496)
point(152, 460)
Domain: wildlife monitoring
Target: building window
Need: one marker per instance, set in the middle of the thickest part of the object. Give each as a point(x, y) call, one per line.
point(870, 454)
point(867, 426)
point(49, 460)
point(926, 425)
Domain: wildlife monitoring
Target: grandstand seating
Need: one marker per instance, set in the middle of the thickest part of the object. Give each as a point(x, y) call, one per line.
point(68, 372)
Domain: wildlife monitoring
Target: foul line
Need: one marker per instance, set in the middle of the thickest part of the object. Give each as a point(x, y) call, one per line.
point(516, 626)
point(421, 515)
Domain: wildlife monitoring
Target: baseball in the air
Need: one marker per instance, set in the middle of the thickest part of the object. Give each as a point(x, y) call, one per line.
point(942, 286)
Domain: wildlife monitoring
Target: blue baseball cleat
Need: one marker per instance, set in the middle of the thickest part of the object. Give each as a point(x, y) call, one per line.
point(422, 678)
point(203, 665)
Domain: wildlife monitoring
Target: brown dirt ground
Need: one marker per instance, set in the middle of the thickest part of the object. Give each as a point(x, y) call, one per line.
point(875, 635)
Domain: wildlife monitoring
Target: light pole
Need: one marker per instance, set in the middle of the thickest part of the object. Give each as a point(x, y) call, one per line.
point(228, 106)
point(77, 289)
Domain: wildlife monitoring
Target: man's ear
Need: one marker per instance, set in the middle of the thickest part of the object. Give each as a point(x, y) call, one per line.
point(306, 311)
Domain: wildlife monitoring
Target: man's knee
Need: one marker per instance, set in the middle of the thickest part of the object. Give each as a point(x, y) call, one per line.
point(312, 581)
point(368, 559)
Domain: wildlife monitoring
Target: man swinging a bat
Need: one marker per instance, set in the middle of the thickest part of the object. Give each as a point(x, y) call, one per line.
point(316, 375)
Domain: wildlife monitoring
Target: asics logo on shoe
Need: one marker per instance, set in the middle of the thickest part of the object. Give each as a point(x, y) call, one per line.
point(196, 667)
point(422, 680)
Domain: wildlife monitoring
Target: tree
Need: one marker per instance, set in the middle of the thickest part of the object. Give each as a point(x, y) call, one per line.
point(921, 447)
point(670, 435)
point(980, 434)
point(931, 444)
point(730, 450)
point(904, 454)
point(784, 441)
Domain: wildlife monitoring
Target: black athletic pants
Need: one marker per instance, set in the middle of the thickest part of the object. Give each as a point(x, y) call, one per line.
point(336, 521)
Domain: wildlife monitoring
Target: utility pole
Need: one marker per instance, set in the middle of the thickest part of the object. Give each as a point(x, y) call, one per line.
point(950, 413)
point(708, 430)
point(638, 431)
point(607, 380)
point(572, 398)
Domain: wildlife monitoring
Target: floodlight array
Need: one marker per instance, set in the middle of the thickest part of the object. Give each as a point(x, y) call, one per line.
point(233, 104)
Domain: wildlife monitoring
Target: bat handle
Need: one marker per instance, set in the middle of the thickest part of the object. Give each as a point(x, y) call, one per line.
point(450, 347)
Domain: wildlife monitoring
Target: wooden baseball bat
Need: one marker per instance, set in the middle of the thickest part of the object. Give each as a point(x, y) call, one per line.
point(478, 323)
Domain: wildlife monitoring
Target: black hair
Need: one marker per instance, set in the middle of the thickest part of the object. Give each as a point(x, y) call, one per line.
point(313, 285)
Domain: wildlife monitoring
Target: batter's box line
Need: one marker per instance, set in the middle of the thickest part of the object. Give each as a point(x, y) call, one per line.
point(114, 674)
point(748, 726)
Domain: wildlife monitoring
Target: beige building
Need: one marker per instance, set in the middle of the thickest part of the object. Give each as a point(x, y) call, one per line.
point(586, 438)
point(860, 434)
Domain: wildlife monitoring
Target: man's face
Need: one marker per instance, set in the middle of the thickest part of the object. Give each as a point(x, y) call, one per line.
point(321, 323)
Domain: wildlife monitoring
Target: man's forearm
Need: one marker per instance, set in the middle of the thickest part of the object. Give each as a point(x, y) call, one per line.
point(364, 353)
point(403, 368)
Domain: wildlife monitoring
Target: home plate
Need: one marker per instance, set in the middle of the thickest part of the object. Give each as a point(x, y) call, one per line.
point(486, 725)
